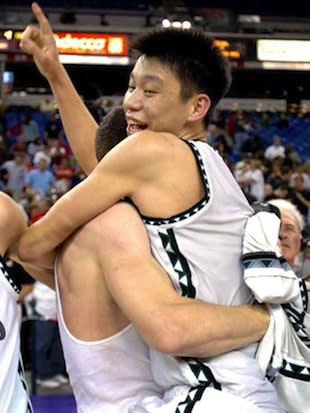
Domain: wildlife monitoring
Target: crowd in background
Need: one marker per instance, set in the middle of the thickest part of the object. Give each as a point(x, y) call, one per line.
point(37, 166)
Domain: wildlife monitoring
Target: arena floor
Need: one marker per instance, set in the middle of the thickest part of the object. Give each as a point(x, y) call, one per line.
point(61, 403)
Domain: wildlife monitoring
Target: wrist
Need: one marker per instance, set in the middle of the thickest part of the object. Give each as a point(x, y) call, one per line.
point(262, 317)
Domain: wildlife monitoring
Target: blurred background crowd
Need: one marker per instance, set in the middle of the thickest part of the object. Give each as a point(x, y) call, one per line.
point(265, 140)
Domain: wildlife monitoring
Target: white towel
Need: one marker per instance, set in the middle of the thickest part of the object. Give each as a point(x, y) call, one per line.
point(284, 352)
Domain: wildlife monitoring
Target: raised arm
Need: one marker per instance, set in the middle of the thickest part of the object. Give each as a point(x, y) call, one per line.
point(80, 127)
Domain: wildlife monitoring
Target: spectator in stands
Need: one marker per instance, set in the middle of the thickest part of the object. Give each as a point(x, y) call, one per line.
point(217, 137)
point(240, 171)
point(286, 173)
point(30, 128)
point(40, 179)
point(212, 134)
point(49, 359)
point(275, 150)
point(57, 151)
point(38, 208)
point(253, 145)
point(16, 169)
point(291, 231)
point(268, 192)
point(219, 119)
point(19, 146)
point(281, 192)
point(12, 132)
point(254, 178)
point(36, 146)
point(64, 174)
point(301, 197)
point(4, 177)
point(53, 126)
point(299, 170)
point(291, 157)
point(242, 128)
point(43, 154)
point(274, 177)
point(230, 124)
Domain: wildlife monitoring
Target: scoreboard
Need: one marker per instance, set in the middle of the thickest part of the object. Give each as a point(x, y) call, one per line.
point(245, 51)
point(74, 47)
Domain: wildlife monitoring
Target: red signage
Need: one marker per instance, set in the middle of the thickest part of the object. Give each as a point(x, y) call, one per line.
point(103, 44)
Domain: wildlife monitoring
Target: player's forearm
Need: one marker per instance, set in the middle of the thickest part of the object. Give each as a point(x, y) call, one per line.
point(79, 125)
point(222, 329)
point(178, 325)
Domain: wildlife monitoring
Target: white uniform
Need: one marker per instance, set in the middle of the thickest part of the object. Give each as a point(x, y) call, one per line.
point(200, 250)
point(111, 375)
point(13, 392)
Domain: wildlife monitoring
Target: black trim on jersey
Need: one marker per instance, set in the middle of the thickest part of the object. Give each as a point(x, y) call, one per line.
point(304, 293)
point(263, 259)
point(193, 396)
point(201, 371)
point(179, 262)
point(9, 276)
point(206, 379)
point(296, 317)
point(195, 208)
point(295, 371)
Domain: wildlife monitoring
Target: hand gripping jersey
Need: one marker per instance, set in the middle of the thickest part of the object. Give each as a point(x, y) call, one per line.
point(200, 249)
point(13, 392)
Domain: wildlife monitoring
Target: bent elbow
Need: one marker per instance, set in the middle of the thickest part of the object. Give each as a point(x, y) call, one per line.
point(168, 338)
point(26, 251)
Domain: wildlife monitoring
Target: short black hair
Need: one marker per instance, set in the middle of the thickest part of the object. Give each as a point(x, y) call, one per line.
point(193, 56)
point(110, 132)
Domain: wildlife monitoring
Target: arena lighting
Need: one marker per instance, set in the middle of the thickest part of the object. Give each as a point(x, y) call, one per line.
point(285, 66)
point(8, 34)
point(94, 60)
point(296, 51)
point(186, 24)
point(4, 45)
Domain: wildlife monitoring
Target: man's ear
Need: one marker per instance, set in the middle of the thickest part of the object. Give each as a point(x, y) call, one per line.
point(201, 106)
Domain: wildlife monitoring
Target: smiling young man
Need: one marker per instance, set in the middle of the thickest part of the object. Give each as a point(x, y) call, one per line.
point(192, 207)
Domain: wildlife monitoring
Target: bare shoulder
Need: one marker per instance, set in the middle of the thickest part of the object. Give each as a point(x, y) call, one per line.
point(10, 211)
point(155, 140)
point(118, 227)
point(147, 141)
point(12, 221)
point(139, 154)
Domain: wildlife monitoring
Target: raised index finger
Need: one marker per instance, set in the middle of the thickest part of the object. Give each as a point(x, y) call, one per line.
point(43, 22)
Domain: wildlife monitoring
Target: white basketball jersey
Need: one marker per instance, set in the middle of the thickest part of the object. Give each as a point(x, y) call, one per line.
point(200, 249)
point(111, 375)
point(13, 392)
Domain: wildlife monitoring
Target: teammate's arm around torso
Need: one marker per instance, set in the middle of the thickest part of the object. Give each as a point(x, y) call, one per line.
point(157, 171)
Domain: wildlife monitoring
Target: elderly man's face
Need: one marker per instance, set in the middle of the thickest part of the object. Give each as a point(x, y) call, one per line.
point(290, 237)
